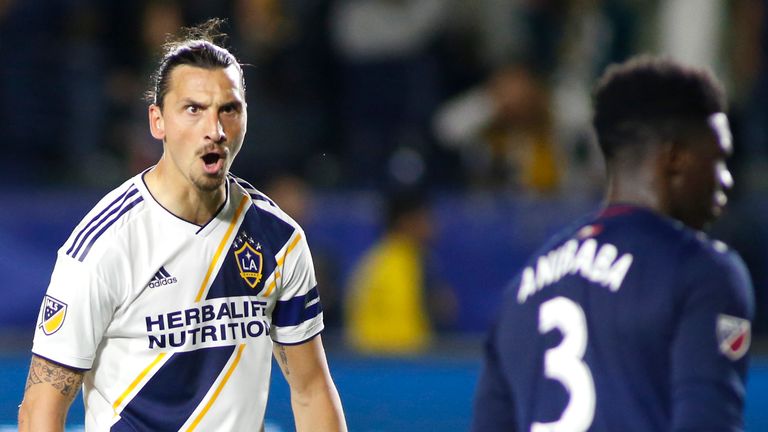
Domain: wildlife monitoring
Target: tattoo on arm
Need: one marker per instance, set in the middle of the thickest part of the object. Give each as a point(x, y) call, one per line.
point(284, 360)
point(63, 379)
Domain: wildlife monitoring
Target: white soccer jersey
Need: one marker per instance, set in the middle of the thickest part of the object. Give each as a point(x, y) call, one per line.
point(174, 321)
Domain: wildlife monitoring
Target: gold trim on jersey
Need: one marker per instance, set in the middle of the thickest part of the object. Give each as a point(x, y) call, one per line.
point(136, 381)
point(222, 245)
point(218, 389)
point(280, 262)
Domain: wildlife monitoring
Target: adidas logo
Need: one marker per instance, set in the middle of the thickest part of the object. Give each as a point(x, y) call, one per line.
point(162, 277)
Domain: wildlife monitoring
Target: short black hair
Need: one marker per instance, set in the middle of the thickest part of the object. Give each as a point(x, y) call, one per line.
point(199, 46)
point(651, 97)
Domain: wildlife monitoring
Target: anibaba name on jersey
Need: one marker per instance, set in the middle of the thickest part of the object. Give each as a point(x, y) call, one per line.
point(601, 265)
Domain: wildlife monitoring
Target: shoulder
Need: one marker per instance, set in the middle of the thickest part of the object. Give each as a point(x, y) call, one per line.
point(264, 207)
point(712, 255)
point(568, 232)
point(99, 226)
point(714, 267)
point(255, 194)
point(698, 261)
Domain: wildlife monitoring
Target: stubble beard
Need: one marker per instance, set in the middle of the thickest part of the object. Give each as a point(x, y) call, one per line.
point(208, 183)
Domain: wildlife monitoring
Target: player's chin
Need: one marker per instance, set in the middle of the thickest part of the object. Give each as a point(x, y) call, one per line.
point(210, 181)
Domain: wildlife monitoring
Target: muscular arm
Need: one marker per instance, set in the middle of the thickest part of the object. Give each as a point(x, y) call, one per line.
point(315, 401)
point(49, 392)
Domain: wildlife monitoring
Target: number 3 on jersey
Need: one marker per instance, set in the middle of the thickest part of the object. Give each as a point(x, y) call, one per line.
point(564, 363)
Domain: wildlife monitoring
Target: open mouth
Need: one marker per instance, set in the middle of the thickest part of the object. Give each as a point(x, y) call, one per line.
point(212, 162)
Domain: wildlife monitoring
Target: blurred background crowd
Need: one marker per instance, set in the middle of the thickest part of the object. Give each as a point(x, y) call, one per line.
point(479, 108)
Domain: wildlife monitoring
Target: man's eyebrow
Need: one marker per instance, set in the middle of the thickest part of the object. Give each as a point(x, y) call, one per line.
point(189, 101)
point(236, 104)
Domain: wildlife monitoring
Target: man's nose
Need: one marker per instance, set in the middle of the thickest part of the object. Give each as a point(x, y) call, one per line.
point(215, 129)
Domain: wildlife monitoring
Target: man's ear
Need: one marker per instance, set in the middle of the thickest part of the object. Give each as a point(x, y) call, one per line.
point(156, 122)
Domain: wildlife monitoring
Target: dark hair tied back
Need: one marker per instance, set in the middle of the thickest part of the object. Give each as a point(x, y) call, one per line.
point(199, 46)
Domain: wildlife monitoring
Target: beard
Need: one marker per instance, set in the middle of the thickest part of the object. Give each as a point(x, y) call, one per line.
point(208, 182)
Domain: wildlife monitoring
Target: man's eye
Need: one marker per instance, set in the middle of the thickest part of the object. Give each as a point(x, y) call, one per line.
point(193, 109)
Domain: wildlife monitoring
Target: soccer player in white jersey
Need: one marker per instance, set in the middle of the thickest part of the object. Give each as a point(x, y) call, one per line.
point(170, 297)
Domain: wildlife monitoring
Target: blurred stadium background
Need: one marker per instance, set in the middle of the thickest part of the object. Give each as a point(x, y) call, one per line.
point(483, 103)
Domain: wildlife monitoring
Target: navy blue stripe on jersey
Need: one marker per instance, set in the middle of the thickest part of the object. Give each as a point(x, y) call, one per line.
point(252, 191)
point(121, 198)
point(123, 211)
point(170, 397)
point(266, 234)
point(297, 310)
point(301, 341)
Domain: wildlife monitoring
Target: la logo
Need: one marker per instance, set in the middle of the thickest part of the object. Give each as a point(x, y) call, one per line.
point(249, 262)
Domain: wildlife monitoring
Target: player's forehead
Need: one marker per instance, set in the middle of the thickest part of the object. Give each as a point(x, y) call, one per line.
point(187, 81)
point(718, 125)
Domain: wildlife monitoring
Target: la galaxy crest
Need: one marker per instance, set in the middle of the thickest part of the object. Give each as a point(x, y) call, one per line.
point(54, 312)
point(250, 260)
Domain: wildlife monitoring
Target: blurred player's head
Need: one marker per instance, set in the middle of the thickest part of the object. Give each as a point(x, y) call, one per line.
point(661, 125)
point(408, 212)
point(198, 108)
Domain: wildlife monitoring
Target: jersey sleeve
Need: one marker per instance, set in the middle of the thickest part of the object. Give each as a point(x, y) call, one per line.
point(494, 409)
point(75, 312)
point(709, 354)
point(297, 315)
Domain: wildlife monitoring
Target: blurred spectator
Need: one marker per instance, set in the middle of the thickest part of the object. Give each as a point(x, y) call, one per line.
point(294, 197)
point(699, 41)
point(392, 302)
point(558, 47)
point(504, 130)
point(390, 85)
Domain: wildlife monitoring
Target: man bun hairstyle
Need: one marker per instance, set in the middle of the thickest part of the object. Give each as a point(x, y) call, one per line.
point(651, 99)
point(199, 46)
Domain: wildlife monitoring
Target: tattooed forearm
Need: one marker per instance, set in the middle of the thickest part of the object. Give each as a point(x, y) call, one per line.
point(284, 360)
point(65, 380)
point(32, 378)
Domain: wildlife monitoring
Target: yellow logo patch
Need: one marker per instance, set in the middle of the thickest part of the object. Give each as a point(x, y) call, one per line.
point(54, 312)
point(249, 261)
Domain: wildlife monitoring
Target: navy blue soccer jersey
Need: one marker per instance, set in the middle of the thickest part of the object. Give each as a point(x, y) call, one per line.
point(628, 321)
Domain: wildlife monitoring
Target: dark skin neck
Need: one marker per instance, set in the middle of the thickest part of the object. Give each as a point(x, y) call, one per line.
point(641, 181)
